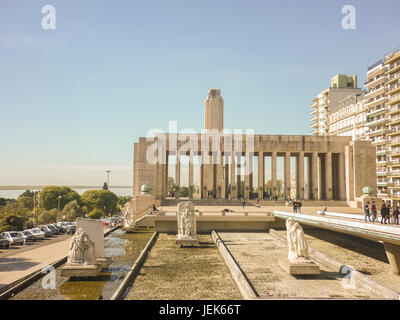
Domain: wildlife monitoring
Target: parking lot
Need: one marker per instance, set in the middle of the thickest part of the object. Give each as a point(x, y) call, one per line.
point(32, 245)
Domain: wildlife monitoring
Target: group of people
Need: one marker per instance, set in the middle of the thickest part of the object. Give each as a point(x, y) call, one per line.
point(296, 205)
point(387, 212)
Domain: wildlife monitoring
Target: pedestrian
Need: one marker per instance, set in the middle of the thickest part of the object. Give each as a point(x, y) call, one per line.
point(299, 205)
point(396, 213)
point(383, 213)
point(258, 202)
point(366, 212)
point(388, 212)
point(294, 206)
point(324, 210)
point(373, 211)
point(244, 202)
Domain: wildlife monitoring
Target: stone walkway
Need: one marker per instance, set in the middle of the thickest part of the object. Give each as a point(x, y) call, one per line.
point(258, 254)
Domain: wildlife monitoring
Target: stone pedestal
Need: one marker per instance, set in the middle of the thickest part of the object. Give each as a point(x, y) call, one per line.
point(77, 270)
point(187, 241)
point(302, 268)
point(104, 261)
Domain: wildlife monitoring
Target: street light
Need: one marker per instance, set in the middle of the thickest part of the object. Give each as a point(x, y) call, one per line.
point(108, 177)
point(59, 199)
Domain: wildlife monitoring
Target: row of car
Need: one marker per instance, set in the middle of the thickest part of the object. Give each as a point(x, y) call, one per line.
point(8, 238)
point(113, 221)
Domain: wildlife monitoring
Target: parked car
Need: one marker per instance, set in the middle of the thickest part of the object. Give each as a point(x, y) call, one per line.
point(71, 229)
point(4, 243)
point(47, 231)
point(60, 228)
point(27, 236)
point(39, 234)
point(14, 237)
point(53, 229)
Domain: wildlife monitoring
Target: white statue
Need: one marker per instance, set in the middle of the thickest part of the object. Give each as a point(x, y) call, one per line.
point(298, 249)
point(128, 215)
point(186, 221)
point(81, 249)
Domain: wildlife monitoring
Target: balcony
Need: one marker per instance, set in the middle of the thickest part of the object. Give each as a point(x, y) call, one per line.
point(375, 91)
point(394, 141)
point(376, 111)
point(393, 185)
point(376, 122)
point(394, 109)
point(375, 101)
point(393, 56)
point(375, 81)
point(394, 163)
point(394, 174)
point(393, 78)
point(395, 152)
point(381, 183)
point(393, 131)
point(380, 152)
point(392, 89)
point(380, 162)
point(393, 67)
point(394, 99)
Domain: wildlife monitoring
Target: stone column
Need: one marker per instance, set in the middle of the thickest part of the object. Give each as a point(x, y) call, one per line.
point(314, 175)
point(287, 175)
point(342, 177)
point(260, 175)
point(328, 175)
point(300, 176)
point(177, 174)
point(273, 174)
point(247, 175)
point(191, 175)
point(233, 174)
point(219, 175)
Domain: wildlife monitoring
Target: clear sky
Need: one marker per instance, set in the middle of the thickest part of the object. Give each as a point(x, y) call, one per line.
point(74, 100)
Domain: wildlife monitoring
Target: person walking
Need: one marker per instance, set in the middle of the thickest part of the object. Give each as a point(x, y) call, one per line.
point(324, 210)
point(373, 211)
point(294, 206)
point(299, 205)
point(244, 203)
point(396, 213)
point(383, 213)
point(367, 212)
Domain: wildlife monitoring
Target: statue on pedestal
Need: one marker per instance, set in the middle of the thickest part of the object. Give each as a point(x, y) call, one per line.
point(298, 261)
point(186, 219)
point(298, 249)
point(128, 215)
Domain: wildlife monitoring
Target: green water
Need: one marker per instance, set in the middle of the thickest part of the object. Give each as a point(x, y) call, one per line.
point(123, 248)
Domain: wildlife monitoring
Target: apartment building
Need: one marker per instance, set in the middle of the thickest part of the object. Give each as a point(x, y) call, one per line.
point(376, 121)
point(392, 87)
point(341, 87)
point(348, 118)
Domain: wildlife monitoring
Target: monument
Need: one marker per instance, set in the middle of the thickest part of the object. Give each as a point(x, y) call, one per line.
point(186, 219)
point(81, 259)
point(298, 261)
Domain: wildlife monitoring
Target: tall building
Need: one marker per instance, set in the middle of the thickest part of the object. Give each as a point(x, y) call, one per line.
point(392, 74)
point(214, 110)
point(348, 118)
point(375, 99)
point(341, 87)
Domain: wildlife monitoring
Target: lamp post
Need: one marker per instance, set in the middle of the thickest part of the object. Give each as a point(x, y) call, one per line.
point(59, 199)
point(108, 178)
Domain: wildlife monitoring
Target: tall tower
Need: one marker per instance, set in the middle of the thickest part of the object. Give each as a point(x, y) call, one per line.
point(214, 110)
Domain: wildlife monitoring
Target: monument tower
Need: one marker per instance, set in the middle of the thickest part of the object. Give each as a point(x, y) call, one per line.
point(214, 110)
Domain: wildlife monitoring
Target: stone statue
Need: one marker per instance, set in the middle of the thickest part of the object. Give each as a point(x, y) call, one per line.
point(82, 249)
point(128, 215)
point(298, 249)
point(186, 219)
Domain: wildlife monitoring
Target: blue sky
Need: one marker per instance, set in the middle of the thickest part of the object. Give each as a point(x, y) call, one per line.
point(73, 100)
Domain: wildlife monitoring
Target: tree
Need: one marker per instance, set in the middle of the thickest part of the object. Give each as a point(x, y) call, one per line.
point(96, 214)
point(104, 200)
point(49, 216)
point(25, 202)
point(122, 200)
point(171, 185)
point(28, 193)
point(72, 210)
point(51, 196)
point(183, 192)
